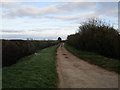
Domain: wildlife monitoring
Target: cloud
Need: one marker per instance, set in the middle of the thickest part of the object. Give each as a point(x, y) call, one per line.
point(39, 33)
point(75, 6)
point(12, 31)
point(107, 8)
point(8, 5)
point(62, 8)
point(102, 10)
point(32, 11)
point(92, 9)
point(78, 16)
point(58, 19)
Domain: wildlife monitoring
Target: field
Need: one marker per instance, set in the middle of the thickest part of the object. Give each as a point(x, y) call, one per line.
point(35, 71)
point(93, 58)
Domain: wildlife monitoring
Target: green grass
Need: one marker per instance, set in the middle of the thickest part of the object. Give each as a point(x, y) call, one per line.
point(93, 58)
point(35, 71)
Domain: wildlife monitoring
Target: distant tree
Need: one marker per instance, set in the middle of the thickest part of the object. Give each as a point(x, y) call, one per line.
point(59, 39)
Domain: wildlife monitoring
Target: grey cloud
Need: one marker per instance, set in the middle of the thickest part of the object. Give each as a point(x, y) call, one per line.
point(61, 8)
point(72, 6)
point(76, 17)
point(12, 31)
point(109, 9)
point(32, 11)
point(95, 10)
point(8, 5)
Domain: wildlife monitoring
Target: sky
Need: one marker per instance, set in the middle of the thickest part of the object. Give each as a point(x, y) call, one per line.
point(50, 20)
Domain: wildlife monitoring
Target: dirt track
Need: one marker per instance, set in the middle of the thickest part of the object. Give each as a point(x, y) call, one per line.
point(76, 73)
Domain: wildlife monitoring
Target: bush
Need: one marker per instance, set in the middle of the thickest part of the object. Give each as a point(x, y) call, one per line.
point(97, 36)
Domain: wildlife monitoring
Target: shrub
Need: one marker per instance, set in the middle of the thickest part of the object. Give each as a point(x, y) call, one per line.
point(97, 36)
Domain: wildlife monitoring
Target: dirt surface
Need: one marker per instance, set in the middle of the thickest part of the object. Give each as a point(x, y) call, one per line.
point(76, 73)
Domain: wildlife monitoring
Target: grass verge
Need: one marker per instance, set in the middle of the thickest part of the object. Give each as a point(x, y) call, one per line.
point(35, 71)
point(93, 58)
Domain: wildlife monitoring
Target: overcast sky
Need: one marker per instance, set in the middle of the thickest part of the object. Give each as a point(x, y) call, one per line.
point(50, 20)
